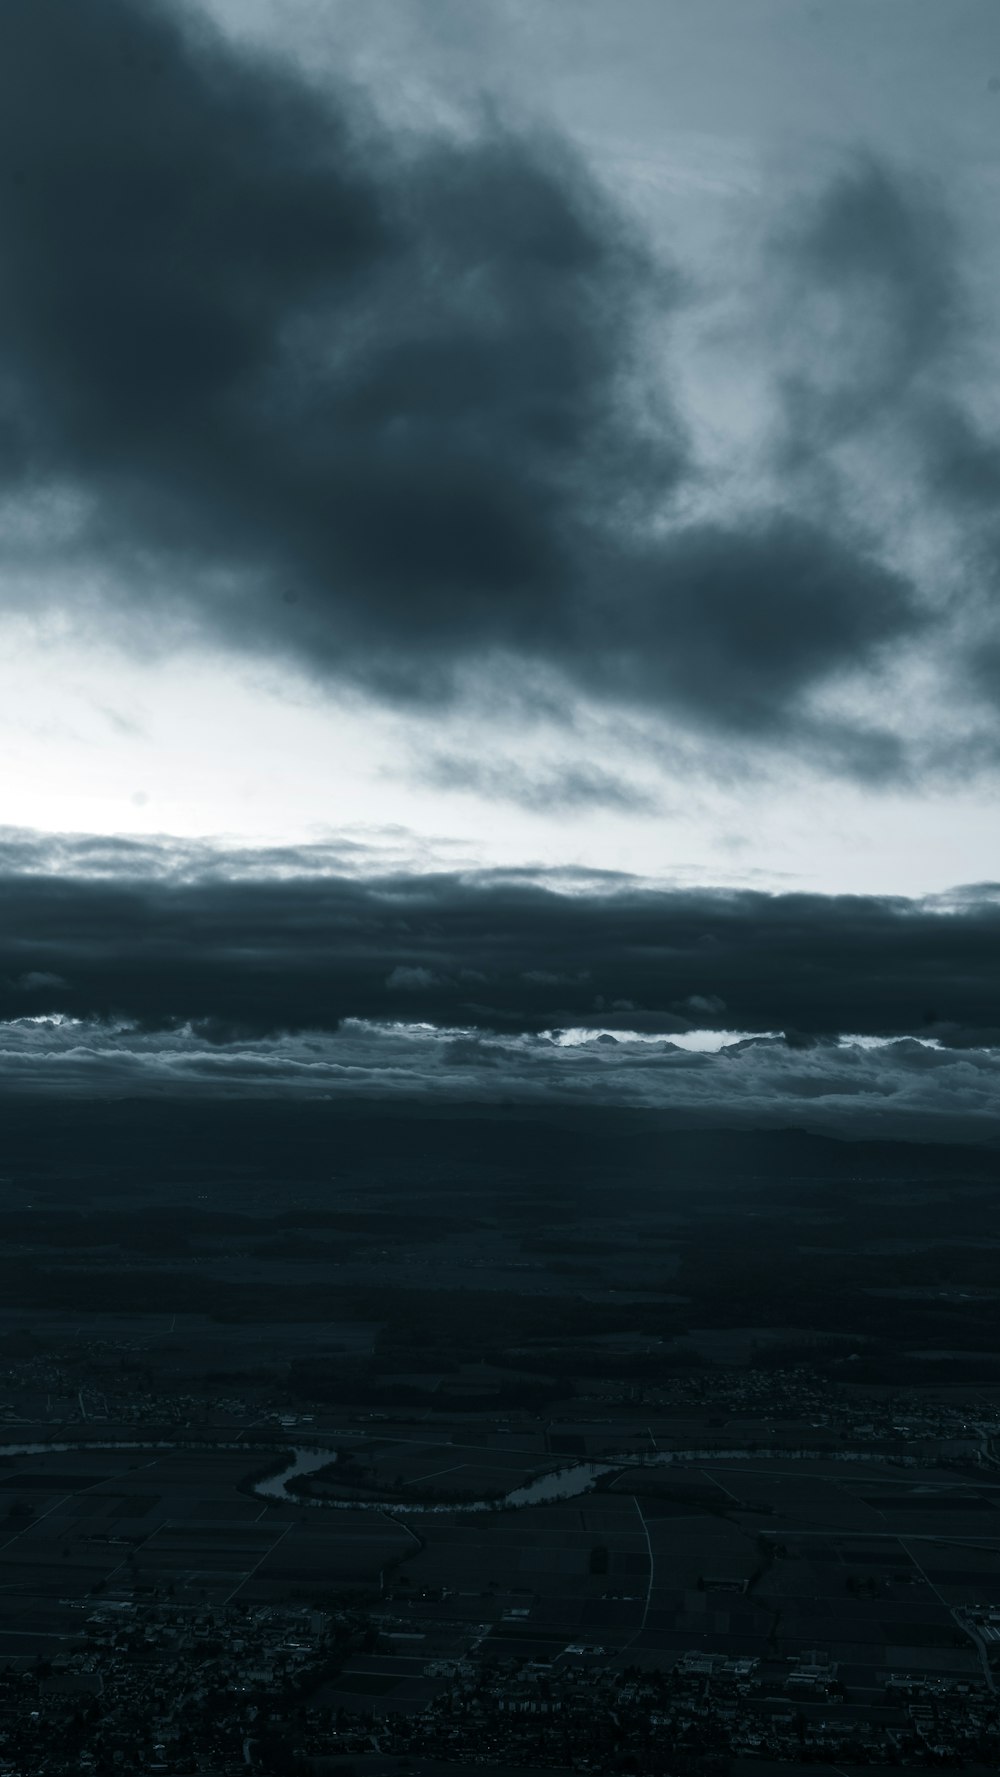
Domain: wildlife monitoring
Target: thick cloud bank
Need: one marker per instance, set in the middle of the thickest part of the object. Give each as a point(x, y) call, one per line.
point(392, 406)
point(248, 944)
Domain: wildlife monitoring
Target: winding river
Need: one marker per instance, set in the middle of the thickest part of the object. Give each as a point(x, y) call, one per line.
point(579, 1477)
point(556, 1484)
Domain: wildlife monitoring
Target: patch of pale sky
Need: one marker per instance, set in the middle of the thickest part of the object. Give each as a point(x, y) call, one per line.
point(195, 747)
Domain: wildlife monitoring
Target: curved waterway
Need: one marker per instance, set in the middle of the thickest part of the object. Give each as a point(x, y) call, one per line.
point(304, 1462)
point(556, 1484)
point(579, 1477)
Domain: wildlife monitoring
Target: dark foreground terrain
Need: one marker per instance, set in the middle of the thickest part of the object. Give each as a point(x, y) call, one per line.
point(341, 1440)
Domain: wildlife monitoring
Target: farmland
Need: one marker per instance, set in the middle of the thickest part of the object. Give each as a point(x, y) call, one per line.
point(578, 1443)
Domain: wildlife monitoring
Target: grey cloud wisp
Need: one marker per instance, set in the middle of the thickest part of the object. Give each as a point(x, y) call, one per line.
point(386, 405)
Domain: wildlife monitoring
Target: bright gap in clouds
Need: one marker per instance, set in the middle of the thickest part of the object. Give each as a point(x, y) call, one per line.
point(698, 1042)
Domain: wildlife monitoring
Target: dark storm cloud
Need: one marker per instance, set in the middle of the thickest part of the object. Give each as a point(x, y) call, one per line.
point(867, 276)
point(881, 339)
point(963, 468)
point(964, 463)
point(385, 406)
point(268, 337)
point(740, 621)
point(493, 951)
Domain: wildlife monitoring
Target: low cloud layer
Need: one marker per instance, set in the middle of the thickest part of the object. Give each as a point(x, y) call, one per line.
point(255, 944)
point(393, 406)
point(902, 1090)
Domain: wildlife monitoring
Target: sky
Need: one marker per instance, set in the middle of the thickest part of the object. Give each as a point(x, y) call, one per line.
point(498, 547)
